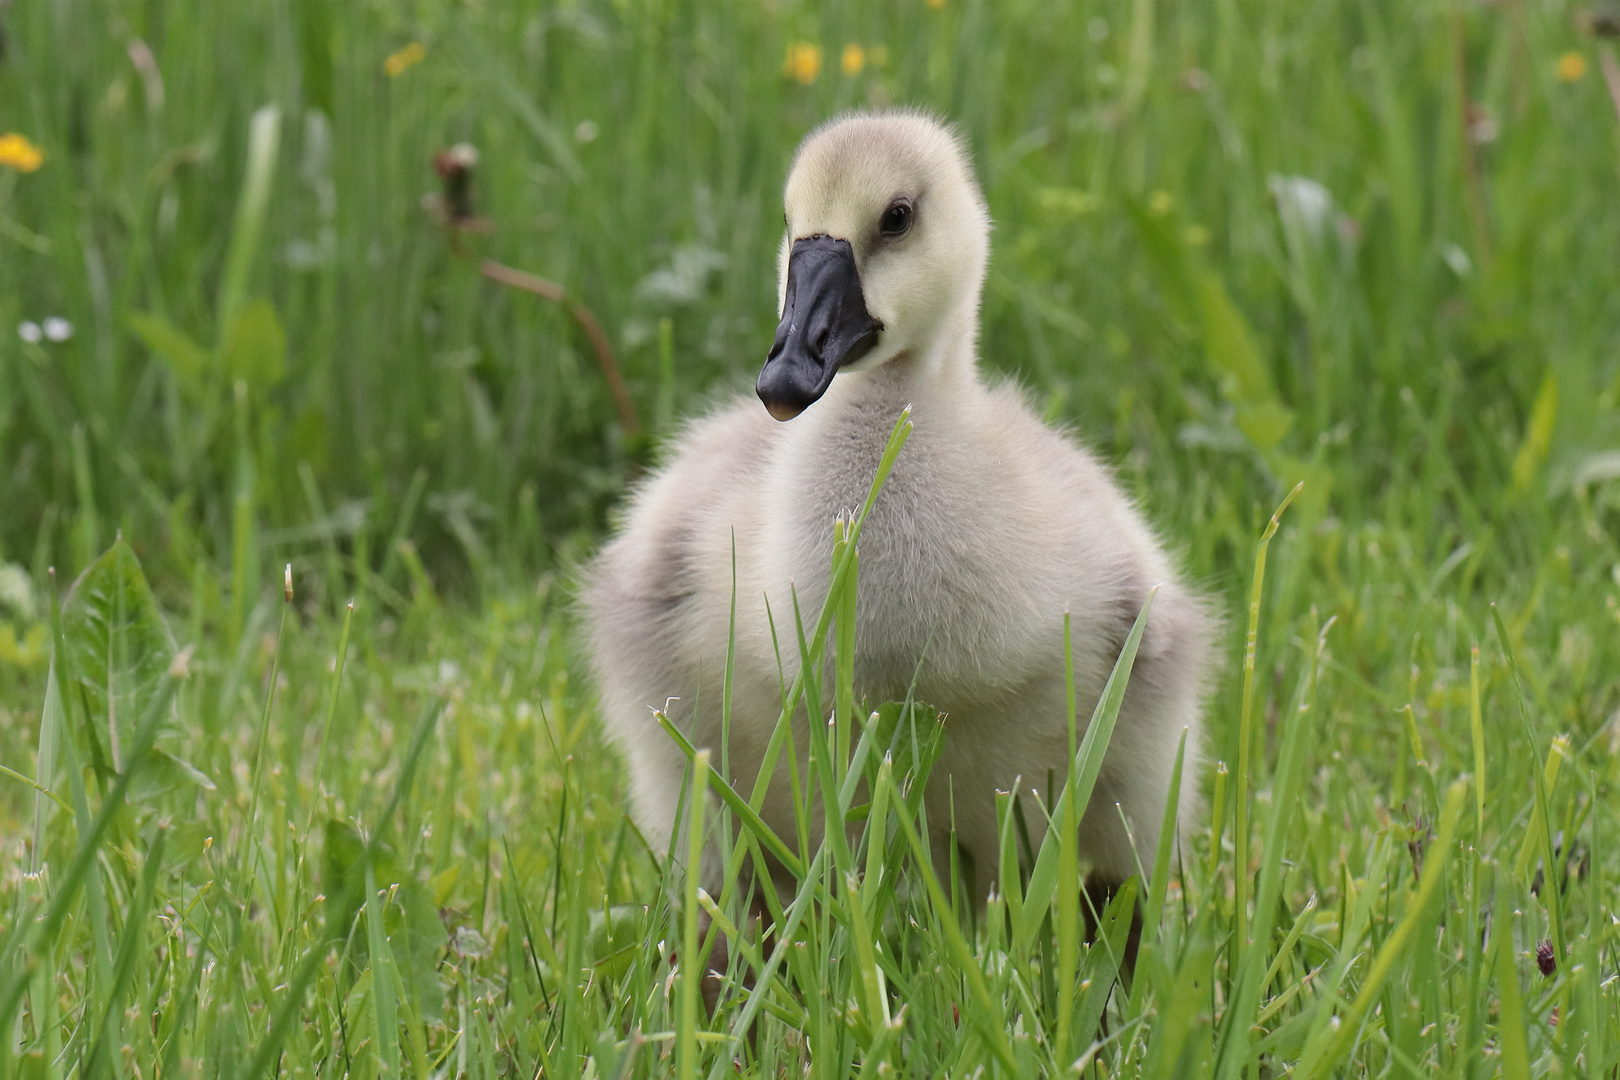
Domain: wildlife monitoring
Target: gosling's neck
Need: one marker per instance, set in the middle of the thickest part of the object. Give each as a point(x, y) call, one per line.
point(941, 376)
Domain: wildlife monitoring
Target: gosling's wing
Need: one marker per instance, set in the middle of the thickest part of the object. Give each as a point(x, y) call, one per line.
point(645, 595)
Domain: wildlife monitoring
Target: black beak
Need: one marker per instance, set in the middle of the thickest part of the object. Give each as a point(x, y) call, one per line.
point(824, 325)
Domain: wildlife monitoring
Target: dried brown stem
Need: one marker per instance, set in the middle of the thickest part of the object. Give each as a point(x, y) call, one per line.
point(550, 290)
point(1478, 214)
point(1611, 74)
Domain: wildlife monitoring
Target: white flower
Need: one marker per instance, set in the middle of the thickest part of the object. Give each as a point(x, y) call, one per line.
point(16, 591)
point(1457, 259)
point(58, 328)
point(29, 331)
point(1302, 203)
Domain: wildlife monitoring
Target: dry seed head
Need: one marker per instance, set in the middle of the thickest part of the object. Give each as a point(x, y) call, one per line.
point(1546, 961)
point(1600, 20)
point(180, 666)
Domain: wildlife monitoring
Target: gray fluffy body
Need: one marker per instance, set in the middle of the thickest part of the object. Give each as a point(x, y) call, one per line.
point(991, 527)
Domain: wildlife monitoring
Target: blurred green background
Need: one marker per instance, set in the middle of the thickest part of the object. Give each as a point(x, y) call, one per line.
point(1235, 244)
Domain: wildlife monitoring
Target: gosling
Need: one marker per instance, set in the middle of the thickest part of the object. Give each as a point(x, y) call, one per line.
point(991, 526)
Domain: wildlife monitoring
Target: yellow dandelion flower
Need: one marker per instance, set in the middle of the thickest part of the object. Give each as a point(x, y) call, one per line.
point(854, 59)
point(1571, 67)
point(16, 152)
point(1161, 202)
point(936, 4)
point(803, 62)
point(403, 60)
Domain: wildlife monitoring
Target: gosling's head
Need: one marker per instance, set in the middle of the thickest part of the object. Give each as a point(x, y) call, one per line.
point(884, 255)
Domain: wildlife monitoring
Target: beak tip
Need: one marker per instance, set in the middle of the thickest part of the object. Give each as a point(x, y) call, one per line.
point(782, 411)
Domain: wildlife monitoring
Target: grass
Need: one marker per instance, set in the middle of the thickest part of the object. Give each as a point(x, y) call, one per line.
point(387, 840)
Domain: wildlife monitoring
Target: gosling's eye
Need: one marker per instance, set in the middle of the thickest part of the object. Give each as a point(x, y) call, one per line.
point(897, 218)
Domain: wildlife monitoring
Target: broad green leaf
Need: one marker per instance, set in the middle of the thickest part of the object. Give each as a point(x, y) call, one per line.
point(443, 884)
point(1173, 264)
point(256, 346)
point(1264, 422)
point(188, 360)
point(119, 647)
point(613, 938)
point(357, 1008)
point(341, 849)
point(164, 772)
point(1229, 344)
point(1235, 359)
point(416, 936)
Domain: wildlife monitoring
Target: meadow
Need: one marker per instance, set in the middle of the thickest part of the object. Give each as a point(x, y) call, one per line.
point(356, 818)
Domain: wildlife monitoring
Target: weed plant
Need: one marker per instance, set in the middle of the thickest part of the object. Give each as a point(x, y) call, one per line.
point(252, 829)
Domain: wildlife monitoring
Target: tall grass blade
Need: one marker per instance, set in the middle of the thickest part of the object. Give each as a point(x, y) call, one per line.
point(385, 1010)
point(264, 140)
point(51, 720)
point(1245, 764)
point(332, 693)
point(1476, 730)
point(1083, 771)
point(1285, 794)
point(1510, 1023)
point(693, 965)
point(1541, 815)
point(818, 640)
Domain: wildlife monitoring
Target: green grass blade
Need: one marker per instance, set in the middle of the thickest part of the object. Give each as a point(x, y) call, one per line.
point(1085, 768)
point(264, 139)
point(1153, 910)
point(1541, 815)
point(1510, 1023)
point(1067, 904)
point(384, 1008)
point(51, 721)
point(985, 1012)
point(1285, 794)
point(1240, 824)
point(1476, 729)
point(128, 949)
point(1326, 1053)
point(818, 640)
point(45, 932)
point(693, 965)
point(332, 693)
point(734, 802)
